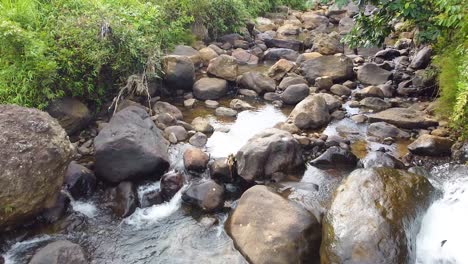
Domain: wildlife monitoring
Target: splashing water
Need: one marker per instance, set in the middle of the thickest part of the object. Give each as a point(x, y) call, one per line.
point(24, 246)
point(86, 208)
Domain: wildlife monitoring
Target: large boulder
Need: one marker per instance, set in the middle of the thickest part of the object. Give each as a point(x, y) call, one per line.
point(34, 156)
point(429, 145)
point(130, 147)
point(384, 130)
point(295, 93)
point(210, 89)
point(422, 58)
point(374, 217)
point(327, 44)
point(372, 74)
point(72, 114)
point(312, 112)
point(280, 69)
point(244, 57)
point(270, 154)
point(404, 118)
point(275, 54)
point(179, 72)
point(268, 228)
point(60, 252)
point(312, 20)
point(224, 67)
point(337, 67)
point(257, 82)
point(206, 195)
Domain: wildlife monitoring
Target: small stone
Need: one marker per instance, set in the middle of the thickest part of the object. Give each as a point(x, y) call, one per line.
point(224, 111)
point(211, 104)
point(189, 103)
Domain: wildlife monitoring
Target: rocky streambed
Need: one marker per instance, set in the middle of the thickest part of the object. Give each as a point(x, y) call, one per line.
point(278, 145)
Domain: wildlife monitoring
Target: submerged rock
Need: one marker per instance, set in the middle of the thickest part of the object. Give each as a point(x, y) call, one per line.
point(207, 195)
point(60, 252)
point(72, 114)
point(377, 159)
point(123, 199)
point(268, 154)
point(171, 183)
point(34, 155)
point(312, 112)
point(429, 145)
point(374, 217)
point(404, 118)
point(268, 228)
point(130, 147)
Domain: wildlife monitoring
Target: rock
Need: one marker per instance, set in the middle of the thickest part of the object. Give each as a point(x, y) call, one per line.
point(288, 81)
point(383, 130)
point(171, 183)
point(244, 57)
point(370, 91)
point(207, 54)
point(130, 147)
point(210, 89)
point(166, 108)
point(162, 120)
point(295, 93)
point(403, 118)
point(422, 58)
point(388, 54)
point(202, 125)
point(268, 153)
point(271, 97)
point(429, 145)
point(324, 83)
point(248, 93)
point(195, 159)
point(372, 74)
point(60, 252)
point(267, 228)
point(264, 24)
point(179, 132)
point(340, 90)
point(345, 25)
point(79, 180)
point(350, 84)
point(225, 111)
point(189, 103)
point(123, 199)
point(378, 159)
point(151, 198)
point(312, 21)
point(217, 49)
point(275, 54)
point(198, 140)
point(211, 104)
point(220, 171)
point(193, 54)
point(359, 118)
point(327, 44)
point(207, 195)
point(288, 30)
point(338, 115)
point(337, 67)
point(71, 114)
point(257, 82)
point(179, 72)
point(280, 69)
point(307, 56)
point(54, 212)
point(31, 141)
point(312, 112)
point(335, 157)
point(284, 43)
point(392, 200)
point(441, 132)
point(375, 103)
point(240, 105)
point(224, 67)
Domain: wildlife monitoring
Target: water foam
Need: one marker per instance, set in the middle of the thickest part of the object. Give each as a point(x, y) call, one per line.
point(22, 246)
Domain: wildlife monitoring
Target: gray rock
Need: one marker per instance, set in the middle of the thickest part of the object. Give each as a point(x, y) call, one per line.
point(71, 114)
point(60, 252)
point(404, 118)
point(179, 72)
point(335, 157)
point(429, 145)
point(284, 43)
point(210, 89)
point(324, 83)
point(257, 82)
point(378, 159)
point(337, 67)
point(123, 199)
point(179, 132)
point(225, 111)
point(312, 112)
point(295, 93)
point(202, 125)
point(384, 130)
point(240, 105)
point(288, 81)
point(79, 180)
point(207, 195)
point(166, 108)
point(275, 54)
point(422, 58)
point(372, 74)
point(198, 140)
point(224, 67)
point(375, 103)
point(340, 90)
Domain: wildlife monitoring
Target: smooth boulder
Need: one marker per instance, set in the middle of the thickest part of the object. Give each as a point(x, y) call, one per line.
point(257, 82)
point(206, 195)
point(295, 93)
point(337, 67)
point(60, 252)
point(311, 113)
point(210, 89)
point(335, 157)
point(224, 67)
point(71, 114)
point(372, 74)
point(429, 145)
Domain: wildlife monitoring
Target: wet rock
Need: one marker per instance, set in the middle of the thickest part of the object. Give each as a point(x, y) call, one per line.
point(123, 199)
point(370, 91)
point(292, 80)
point(52, 213)
point(340, 90)
point(429, 145)
point(224, 67)
point(422, 58)
point(359, 118)
point(295, 93)
point(240, 105)
point(151, 198)
point(189, 103)
point(280, 69)
point(284, 43)
point(248, 93)
point(171, 183)
point(217, 49)
point(275, 54)
point(269, 152)
point(324, 83)
point(60, 252)
point(392, 200)
point(178, 131)
point(327, 44)
point(210, 89)
point(244, 57)
point(257, 82)
point(71, 114)
point(130, 147)
point(404, 118)
point(372, 74)
point(460, 151)
point(384, 130)
point(280, 231)
point(221, 171)
point(350, 84)
point(35, 153)
point(211, 104)
point(179, 72)
point(375, 103)
point(195, 159)
point(332, 101)
point(202, 125)
point(225, 111)
point(207, 195)
point(166, 108)
point(337, 67)
point(335, 157)
point(79, 180)
point(207, 54)
point(312, 112)
point(378, 159)
point(198, 140)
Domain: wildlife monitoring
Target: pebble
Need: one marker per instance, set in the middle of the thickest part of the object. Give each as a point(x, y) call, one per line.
point(211, 104)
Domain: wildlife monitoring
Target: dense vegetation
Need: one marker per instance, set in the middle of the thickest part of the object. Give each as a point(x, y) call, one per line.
point(88, 47)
